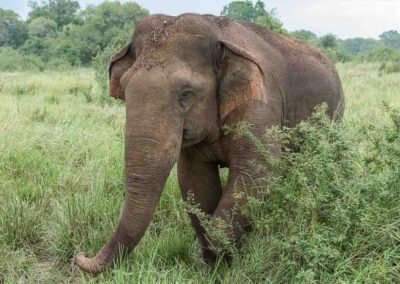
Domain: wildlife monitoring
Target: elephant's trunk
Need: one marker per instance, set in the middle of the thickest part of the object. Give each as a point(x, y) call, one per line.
point(150, 153)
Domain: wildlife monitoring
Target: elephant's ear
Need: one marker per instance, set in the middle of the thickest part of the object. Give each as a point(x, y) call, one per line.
point(241, 78)
point(120, 62)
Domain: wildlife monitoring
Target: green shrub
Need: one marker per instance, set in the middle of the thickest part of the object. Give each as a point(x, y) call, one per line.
point(100, 65)
point(12, 60)
point(336, 54)
point(390, 67)
point(59, 64)
point(64, 51)
point(332, 210)
point(381, 54)
point(389, 59)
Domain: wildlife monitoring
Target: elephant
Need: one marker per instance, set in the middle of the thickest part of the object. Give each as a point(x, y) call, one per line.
point(184, 79)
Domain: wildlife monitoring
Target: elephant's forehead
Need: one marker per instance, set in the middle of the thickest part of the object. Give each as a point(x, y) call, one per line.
point(162, 40)
point(156, 30)
point(149, 61)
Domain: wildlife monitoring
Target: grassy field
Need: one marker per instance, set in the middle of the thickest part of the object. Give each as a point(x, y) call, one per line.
point(334, 218)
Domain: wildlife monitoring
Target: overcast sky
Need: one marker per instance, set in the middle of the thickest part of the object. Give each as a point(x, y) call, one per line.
point(344, 18)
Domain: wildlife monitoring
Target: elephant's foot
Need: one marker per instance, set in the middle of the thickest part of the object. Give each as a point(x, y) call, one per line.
point(209, 257)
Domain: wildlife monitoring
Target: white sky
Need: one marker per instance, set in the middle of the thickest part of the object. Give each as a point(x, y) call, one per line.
point(344, 18)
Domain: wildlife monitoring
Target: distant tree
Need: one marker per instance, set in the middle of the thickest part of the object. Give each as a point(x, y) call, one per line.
point(110, 23)
point(304, 35)
point(383, 54)
point(240, 10)
point(359, 45)
point(391, 38)
point(328, 41)
point(246, 11)
point(62, 12)
point(35, 46)
point(64, 50)
point(268, 18)
point(331, 46)
point(42, 27)
point(13, 31)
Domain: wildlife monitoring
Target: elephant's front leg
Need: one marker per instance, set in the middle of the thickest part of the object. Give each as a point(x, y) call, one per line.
point(200, 183)
point(246, 177)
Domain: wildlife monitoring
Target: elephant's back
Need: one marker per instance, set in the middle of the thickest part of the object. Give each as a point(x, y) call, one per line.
point(310, 78)
point(289, 47)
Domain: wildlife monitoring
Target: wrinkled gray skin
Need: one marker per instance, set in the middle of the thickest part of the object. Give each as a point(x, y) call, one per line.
point(185, 78)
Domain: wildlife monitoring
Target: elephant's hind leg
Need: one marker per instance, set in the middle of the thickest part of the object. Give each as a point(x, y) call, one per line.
point(200, 184)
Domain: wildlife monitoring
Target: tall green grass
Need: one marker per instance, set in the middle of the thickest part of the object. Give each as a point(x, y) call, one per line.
point(331, 215)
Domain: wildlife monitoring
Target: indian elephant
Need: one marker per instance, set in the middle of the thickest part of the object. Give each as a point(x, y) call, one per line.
point(183, 80)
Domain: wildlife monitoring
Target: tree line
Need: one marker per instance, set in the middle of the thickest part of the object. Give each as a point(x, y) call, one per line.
point(60, 32)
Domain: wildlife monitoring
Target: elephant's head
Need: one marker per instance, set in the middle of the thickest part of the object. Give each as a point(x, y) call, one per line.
point(180, 79)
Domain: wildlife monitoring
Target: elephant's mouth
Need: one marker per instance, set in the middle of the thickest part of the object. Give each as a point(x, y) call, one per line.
point(188, 139)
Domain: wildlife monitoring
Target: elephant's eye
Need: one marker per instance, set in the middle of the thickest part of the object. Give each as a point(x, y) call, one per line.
point(186, 98)
point(187, 93)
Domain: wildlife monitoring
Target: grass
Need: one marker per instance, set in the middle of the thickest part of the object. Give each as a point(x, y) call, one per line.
point(332, 218)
